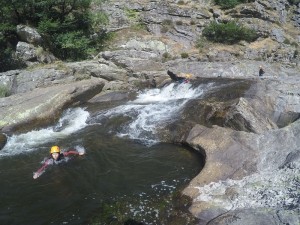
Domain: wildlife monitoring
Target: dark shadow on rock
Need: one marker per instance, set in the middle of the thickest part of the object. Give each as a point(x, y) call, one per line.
point(211, 108)
point(287, 118)
point(290, 160)
point(3, 140)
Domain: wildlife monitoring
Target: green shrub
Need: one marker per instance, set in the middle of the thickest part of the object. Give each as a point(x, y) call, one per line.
point(98, 19)
point(227, 4)
point(200, 42)
point(132, 14)
point(167, 22)
point(179, 23)
point(67, 28)
point(166, 25)
point(184, 55)
point(4, 92)
point(164, 29)
point(286, 41)
point(139, 27)
point(228, 33)
point(166, 55)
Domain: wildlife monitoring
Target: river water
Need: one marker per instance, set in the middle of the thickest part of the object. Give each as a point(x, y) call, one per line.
point(126, 173)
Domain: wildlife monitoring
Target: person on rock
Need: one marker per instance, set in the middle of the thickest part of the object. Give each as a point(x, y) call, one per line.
point(261, 71)
point(56, 157)
point(181, 79)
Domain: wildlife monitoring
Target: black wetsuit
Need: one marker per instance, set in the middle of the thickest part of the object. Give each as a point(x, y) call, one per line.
point(261, 72)
point(51, 161)
point(174, 77)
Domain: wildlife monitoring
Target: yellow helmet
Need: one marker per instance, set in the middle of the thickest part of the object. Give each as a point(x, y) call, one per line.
point(188, 75)
point(54, 149)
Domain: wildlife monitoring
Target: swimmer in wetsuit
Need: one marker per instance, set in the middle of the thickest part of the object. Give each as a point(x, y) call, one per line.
point(56, 156)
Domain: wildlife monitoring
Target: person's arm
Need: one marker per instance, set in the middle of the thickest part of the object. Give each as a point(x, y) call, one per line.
point(41, 170)
point(73, 152)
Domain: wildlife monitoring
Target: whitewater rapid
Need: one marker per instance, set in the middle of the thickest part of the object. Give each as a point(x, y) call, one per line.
point(152, 108)
point(71, 121)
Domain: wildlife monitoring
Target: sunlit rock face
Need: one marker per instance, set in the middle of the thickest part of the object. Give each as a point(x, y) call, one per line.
point(250, 172)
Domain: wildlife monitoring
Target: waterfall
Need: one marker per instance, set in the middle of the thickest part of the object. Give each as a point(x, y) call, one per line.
point(71, 121)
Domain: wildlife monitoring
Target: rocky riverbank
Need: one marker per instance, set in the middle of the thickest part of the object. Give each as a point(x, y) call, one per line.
point(248, 130)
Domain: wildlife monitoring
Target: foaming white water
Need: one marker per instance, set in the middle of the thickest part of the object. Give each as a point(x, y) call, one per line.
point(268, 189)
point(71, 121)
point(154, 109)
point(170, 92)
point(80, 149)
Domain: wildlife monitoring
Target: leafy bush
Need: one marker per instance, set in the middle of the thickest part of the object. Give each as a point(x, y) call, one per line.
point(184, 55)
point(166, 55)
point(228, 33)
point(200, 43)
point(227, 4)
point(72, 45)
point(4, 92)
point(67, 27)
point(132, 14)
point(179, 23)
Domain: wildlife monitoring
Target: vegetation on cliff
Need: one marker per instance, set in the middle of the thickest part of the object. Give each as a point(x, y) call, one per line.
point(228, 33)
point(67, 27)
point(226, 4)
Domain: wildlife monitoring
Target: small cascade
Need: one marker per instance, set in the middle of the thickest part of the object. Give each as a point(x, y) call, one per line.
point(153, 109)
point(71, 121)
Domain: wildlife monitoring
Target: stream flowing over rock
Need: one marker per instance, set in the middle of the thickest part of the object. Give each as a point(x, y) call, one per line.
point(248, 129)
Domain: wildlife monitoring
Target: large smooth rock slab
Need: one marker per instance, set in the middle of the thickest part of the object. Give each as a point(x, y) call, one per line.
point(44, 105)
point(245, 171)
